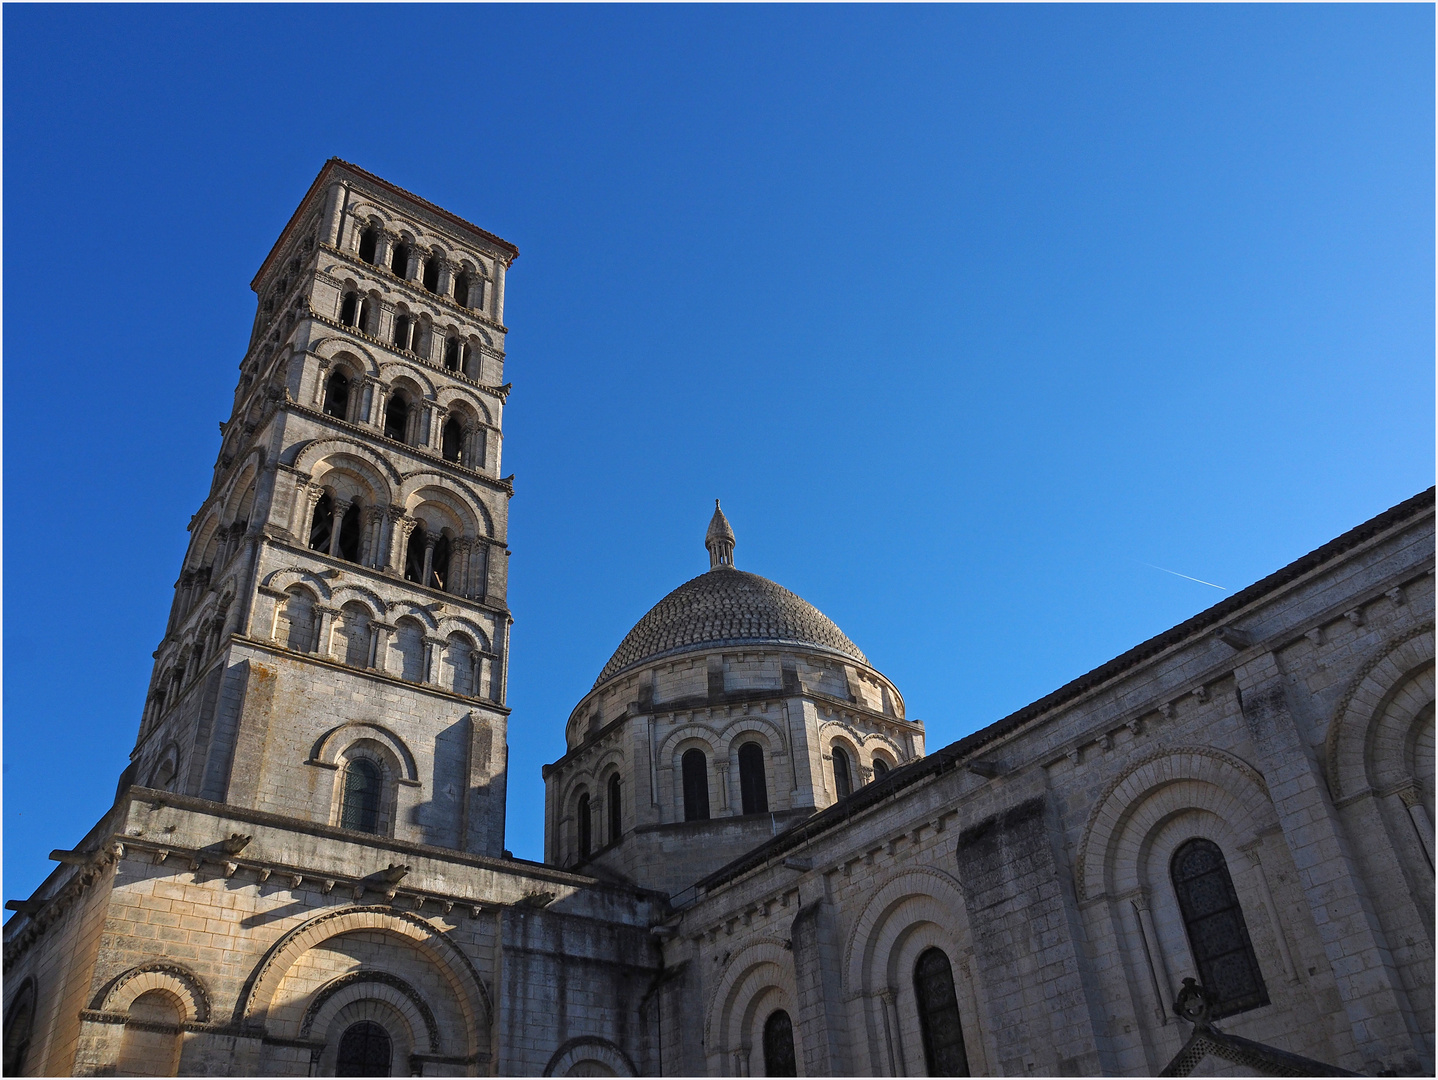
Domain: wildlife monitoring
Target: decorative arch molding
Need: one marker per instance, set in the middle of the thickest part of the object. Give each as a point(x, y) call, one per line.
point(252, 1009)
point(335, 995)
point(589, 1048)
point(945, 908)
point(280, 580)
point(396, 371)
point(453, 624)
point(1243, 795)
point(352, 476)
point(338, 348)
point(401, 609)
point(699, 732)
point(116, 996)
point(737, 973)
point(350, 593)
point(1348, 746)
point(733, 735)
point(328, 746)
point(415, 485)
point(169, 752)
point(449, 395)
point(311, 454)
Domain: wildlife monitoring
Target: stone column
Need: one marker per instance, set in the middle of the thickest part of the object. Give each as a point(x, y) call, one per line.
point(323, 643)
point(381, 632)
point(319, 394)
point(430, 539)
point(372, 519)
point(1418, 814)
point(336, 519)
point(433, 649)
point(1153, 955)
point(313, 494)
point(400, 528)
point(894, 1043)
point(722, 768)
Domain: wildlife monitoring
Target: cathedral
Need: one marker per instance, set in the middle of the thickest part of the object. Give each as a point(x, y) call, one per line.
point(1213, 854)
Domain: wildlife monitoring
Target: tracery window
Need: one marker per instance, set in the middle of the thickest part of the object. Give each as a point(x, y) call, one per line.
point(364, 783)
point(365, 1050)
point(753, 791)
point(586, 826)
point(843, 775)
point(938, 1006)
point(695, 769)
point(779, 1045)
point(1217, 933)
point(616, 815)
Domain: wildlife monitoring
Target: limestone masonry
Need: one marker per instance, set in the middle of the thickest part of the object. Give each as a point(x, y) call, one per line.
point(752, 866)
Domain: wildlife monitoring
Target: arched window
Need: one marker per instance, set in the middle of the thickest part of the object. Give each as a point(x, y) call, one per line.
point(349, 545)
point(399, 261)
point(881, 768)
point(414, 555)
point(753, 791)
point(349, 308)
point(459, 657)
point(364, 783)
point(452, 439)
point(150, 1045)
point(19, 1028)
point(369, 245)
point(939, 1015)
point(451, 353)
point(1217, 933)
point(355, 629)
point(337, 396)
point(365, 1050)
point(396, 417)
point(439, 564)
point(461, 289)
point(616, 809)
point(296, 624)
point(366, 316)
point(469, 361)
point(695, 767)
point(431, 273)
point(409, 643)
point(843, 776)
point(779, 1045)
point(585, 826)
point(402, 326)
point(322, 522)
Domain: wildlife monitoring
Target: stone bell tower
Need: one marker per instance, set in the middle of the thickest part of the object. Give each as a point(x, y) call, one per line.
point(337, 647)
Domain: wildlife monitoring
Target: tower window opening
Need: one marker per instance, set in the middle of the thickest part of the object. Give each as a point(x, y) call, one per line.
point(843, 775)
point(431, 273)
point(363, 783)
point(586, 826)
point(1217, 933)
point(349, 308)
point(414, 556)
point(939, 1015)
point(461, 289)
point(452, 439)
point(337, 396)
point(399, 261)
point(439, 564)
point(695, 769)
point(322, 524)
point(403, 326)
point(396, 417)
point(779, 1045)
point(369, 245)
point(452, 359)
point(881, 768)
point(753, 791)
point(366, 316)
point(469, 361)
point(616, 808)
point(365, 1050)
point(349, 543)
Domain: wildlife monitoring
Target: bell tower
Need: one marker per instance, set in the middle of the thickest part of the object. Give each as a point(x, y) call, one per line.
point(337, 647)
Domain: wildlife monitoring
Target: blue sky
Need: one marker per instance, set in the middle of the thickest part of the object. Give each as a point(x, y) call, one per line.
point(973, 316)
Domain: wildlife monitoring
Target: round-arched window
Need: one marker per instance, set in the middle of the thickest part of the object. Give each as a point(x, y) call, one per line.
point(365, 1050)
point(779, 1045)
point(364, 783)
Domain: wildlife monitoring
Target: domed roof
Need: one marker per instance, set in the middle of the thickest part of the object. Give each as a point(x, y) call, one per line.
point(727, 606)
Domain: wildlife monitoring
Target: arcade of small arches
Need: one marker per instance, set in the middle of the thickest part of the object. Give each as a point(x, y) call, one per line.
point(459, 279)
point(411, 331)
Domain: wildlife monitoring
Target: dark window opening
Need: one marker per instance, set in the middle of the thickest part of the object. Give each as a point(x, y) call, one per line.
point(1217, 933)
point(337, 395)
point(431, 273)
point(779, 1045)
point(414, 556)
point(939, 1015)
point(586, 827)
point(322, 523)
point(363, 782)
point(616, 816)
point(349, 308)
point(365, 1050)
point(753, 791)
point(402, 326)
point(399, 261)
point(452, 359)
point(695, 767)
point(19, 1027)
point(843, 776)
point(467, 363)
point(439, 564)
point(366, 316)
point(349, 546)
point(881, 768)
point(396, 417)
point(451, 440)
point(461, 289)
point(369, 245)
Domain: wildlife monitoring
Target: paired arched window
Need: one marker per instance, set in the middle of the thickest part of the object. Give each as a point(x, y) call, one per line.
point(779, 1045)
point(150, 1045)
point(337, 396)
point(616, 812)
point(1217, 934)
point(881, 768)
point(938, 1006)
point(843, 774)
point(19, 1029)
point(396, 417)
point(452, 440)
point(369, 245)
point(431, 273)
point(364, 784)
point(694, 767)
point(365, 1050)
point(585, 823)
point(350, 308)
point(461, 289)
point(753, 791)
point(399, 260)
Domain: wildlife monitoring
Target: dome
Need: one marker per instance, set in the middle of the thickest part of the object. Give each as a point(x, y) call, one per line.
point(728, 607)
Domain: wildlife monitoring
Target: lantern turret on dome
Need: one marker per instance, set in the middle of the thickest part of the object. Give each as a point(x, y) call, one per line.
point(719, 540)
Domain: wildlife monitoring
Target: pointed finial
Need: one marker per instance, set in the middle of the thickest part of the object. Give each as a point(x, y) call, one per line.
point(719, 540)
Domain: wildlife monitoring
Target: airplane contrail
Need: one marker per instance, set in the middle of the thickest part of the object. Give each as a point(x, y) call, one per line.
point(1175, 573)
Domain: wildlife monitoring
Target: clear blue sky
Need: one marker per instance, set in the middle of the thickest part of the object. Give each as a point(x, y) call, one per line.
point(972, 316)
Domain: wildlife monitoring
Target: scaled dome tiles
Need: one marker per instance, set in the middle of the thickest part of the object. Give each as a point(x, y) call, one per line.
point(727, 606)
